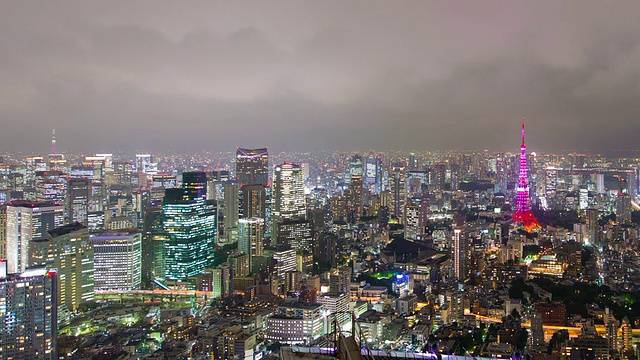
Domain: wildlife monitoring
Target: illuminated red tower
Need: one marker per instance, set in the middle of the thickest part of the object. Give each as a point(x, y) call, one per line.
point(523, 213)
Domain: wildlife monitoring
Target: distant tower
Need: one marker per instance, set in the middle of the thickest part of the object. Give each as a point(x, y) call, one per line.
point(53, 141)
point(252, 166)
point(523, 212)
point(459, 250)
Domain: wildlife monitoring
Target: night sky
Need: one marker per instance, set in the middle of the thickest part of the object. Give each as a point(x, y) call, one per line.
point(319, 75)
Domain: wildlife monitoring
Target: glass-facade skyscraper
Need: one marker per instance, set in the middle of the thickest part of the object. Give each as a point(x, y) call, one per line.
point(288, 192)
point(252, 166)
point(190, 224)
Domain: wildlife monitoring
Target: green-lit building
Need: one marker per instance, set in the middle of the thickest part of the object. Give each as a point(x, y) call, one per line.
point(190, 224)
point(153, 241)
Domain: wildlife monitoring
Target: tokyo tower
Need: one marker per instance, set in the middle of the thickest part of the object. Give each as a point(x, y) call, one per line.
point(523, 214)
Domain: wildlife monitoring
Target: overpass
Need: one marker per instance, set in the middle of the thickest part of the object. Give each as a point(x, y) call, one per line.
point(302, 353)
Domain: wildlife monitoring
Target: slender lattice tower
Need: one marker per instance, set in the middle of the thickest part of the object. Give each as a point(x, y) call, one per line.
point(53, 141)
point(522, 213)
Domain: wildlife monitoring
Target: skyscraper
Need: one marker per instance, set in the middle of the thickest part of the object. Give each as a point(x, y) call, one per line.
point(250, 238)
point(593, 229)
point(296, 233)
point(623, 208)
point(190, 224)
point(27, 221)
point(522, 213)
point(28, 314)
point(3, 231)
point(230, 212)
point(117, 261)
point(196, 183)
point(412, 220)
point(289, 200)
point(459, 254)
point(252, 166)
point(78, 201)
point(68, 250)
point(51, 186)
point(398, 188)
point(153, 238)
point(550, 183)
point(254, 201)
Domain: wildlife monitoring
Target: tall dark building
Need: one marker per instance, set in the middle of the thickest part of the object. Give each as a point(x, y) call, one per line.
point(153, 241)
point(196, 183)
point(254, 201)
point(252, 166)
point(78, 201)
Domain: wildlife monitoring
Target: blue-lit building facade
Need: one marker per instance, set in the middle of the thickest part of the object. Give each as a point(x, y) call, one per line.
point(190, 224)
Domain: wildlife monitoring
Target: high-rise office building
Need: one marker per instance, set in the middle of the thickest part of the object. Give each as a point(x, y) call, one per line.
point(593, 229)
point(51, 186)
point(373, 173)
point(190, 224)
point(196, 183)
point(286, 261)
point(252, 166)
point(289, 200)
point(354, 194)
point(338, 304)
point(250, 238)
point(117, 261)
point(143, 162)
point(398, 189)
point(550, 184)
point(27, 221)
point(438, 176)
point(356, 166)
point(340, 280)
point(296, 233)
point(239, 265)
point(254, 201)
point(28, 314)
point(3, 231)
point(153, 244)
point(230, 212)
point(78, 201)
point(459, 255)
point(160, 183)
point(413, 220)
point(67, 249)
point(623, 208)
point(220, 281)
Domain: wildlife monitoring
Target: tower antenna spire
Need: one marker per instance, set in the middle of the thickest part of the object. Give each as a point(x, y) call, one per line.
point(53, 141)
point(523, 213)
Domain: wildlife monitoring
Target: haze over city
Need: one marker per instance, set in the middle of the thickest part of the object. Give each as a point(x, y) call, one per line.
point(308, 76)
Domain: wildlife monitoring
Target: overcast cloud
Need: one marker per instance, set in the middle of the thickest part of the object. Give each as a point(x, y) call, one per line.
point(315, 75)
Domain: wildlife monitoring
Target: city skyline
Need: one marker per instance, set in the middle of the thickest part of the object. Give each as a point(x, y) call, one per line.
point(318, 76)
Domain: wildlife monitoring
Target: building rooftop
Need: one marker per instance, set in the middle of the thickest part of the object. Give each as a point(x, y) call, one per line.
point(65, 229)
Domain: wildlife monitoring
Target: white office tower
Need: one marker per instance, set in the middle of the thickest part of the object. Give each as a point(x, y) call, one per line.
point(117, 261)
point(27, 221)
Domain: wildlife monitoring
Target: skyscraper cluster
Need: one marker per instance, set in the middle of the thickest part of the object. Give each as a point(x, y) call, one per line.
point(278, 244)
